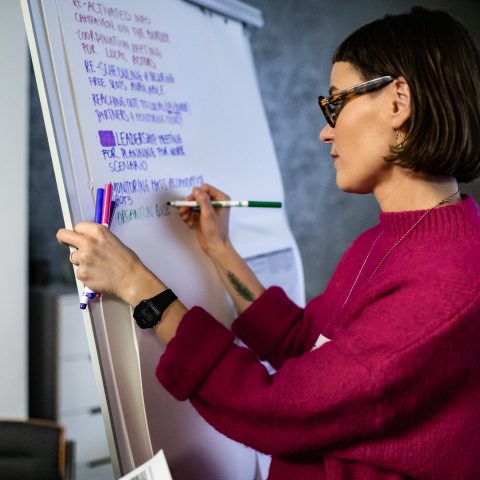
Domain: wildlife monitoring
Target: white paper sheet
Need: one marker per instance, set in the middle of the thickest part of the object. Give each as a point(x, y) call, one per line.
point(154, 469)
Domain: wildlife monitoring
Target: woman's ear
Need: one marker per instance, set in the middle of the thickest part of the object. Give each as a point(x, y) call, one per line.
point(401, 102)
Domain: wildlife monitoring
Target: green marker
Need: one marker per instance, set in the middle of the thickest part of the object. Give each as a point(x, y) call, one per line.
point(226, 203)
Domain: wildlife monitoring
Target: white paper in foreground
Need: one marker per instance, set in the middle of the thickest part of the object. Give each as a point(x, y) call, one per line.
point(155, 469)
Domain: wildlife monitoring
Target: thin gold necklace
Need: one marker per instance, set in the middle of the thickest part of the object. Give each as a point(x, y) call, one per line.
point(439, 204)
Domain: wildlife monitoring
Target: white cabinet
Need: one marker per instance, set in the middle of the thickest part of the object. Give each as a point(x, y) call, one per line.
point(62, 381)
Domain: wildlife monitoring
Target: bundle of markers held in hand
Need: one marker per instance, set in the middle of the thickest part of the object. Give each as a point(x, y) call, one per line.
point(104, 207)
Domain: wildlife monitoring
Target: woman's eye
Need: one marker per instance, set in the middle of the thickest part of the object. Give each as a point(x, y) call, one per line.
point(337, 108)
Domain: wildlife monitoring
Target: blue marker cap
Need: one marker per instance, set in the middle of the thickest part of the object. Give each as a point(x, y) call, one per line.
point(83, 306)
point(99, 205)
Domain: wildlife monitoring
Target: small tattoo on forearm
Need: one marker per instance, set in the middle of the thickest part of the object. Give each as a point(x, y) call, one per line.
point(240, 288)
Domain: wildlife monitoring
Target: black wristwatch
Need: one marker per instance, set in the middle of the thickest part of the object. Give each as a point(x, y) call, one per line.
point(148, 313)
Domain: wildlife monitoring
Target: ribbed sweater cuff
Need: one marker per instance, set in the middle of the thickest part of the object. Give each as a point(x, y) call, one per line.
point(266, 321)
point(199, 343)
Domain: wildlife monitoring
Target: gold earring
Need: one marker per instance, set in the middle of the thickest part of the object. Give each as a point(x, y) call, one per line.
point(398, 144)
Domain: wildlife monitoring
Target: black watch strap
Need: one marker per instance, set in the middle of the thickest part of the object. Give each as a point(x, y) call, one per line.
point(148, 313)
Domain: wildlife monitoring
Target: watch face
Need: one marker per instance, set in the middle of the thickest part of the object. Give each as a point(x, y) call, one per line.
point(146, 315)
point(149, 312)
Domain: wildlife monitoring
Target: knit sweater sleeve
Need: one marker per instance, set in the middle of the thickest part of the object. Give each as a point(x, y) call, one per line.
point(354, 387)
point(276, 414)
point(274, 327)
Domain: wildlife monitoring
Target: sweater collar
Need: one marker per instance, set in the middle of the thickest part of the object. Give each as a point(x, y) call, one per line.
point(461, 219)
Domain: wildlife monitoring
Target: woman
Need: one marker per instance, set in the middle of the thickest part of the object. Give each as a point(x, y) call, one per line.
point(378, 377)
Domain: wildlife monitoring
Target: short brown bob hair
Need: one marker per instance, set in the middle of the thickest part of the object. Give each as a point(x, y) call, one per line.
point(441, 64)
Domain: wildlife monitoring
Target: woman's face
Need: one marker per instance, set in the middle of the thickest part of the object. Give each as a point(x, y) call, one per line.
point(362, 134)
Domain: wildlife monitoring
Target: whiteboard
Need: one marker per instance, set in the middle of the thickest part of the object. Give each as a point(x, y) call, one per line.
point(157, 97)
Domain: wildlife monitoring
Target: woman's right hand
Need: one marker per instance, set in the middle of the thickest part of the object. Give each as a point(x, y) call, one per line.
point(210, 224)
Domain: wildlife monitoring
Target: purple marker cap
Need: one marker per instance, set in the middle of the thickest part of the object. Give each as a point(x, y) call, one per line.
point(83, 306)
point(113, 207)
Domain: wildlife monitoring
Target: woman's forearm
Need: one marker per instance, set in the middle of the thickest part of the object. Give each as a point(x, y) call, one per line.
point(240, 281)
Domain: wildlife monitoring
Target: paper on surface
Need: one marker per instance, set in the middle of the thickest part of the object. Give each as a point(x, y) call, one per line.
point(155, 469)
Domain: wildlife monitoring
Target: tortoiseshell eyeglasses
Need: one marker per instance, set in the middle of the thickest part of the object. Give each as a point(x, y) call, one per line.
point(332, 105)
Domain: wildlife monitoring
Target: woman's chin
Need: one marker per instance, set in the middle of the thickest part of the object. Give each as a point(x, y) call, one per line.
point(351, 187)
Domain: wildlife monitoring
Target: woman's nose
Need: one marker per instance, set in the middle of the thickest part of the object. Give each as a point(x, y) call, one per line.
point(327, 134)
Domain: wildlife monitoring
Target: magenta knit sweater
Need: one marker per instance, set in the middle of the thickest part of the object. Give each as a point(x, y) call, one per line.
point(395, 394)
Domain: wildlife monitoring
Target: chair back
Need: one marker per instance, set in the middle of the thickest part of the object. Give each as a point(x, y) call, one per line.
point(32, 449)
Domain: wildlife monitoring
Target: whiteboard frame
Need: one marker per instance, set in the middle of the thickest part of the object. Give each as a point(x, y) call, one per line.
point(234, 9)
point(56, 135)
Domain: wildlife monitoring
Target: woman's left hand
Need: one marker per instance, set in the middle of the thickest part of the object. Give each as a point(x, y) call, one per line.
point(105, 264)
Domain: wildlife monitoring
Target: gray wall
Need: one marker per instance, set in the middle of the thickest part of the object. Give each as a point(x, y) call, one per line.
point(293, 57)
